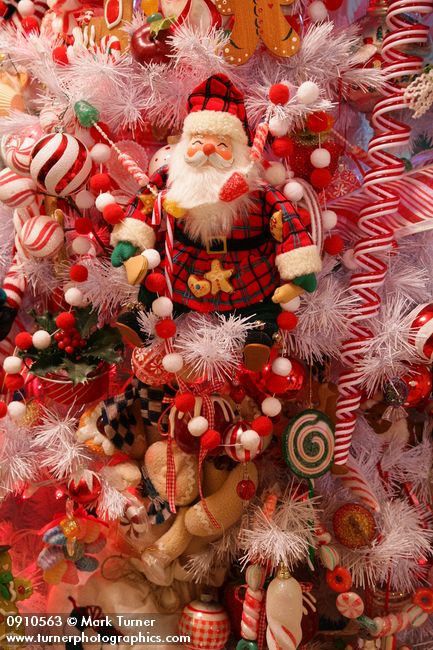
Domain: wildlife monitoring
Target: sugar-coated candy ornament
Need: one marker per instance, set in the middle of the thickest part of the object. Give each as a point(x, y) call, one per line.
point(172, 362)
point(271, 406)
point(250, 440)
point(153, 257)
point(308, 444)
point(293, 305)
point(87, 114)
point(100, 153)
point(41, 236)
point(308, 92)
point(320, 158)
point(23, 341)
point(293, 191)
point(278, 126)
point(81, 245)
point(16, 410)
point(12, 364)
point(354, 525)
point(162, 307)
point(281, 366)
point(74, 297)
point(329, 219)
point(41, 340)
point(84, 200)
point(246, 489)
point(317, 11)
point(198, 425)
point(103, 200)
point(349, 604)
point(339, 579)
point(16, 191)
point(423, 597)
point(329, 556)
point(184, 402)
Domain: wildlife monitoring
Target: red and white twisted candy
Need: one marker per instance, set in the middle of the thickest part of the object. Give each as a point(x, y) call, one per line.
point(259, 141)
point(368, 252)
point(356, 482)
point(252, 606)
point(393, 623)
point(284, 614)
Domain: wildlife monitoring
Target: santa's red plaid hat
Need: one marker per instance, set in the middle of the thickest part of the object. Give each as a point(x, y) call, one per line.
point(217, 106)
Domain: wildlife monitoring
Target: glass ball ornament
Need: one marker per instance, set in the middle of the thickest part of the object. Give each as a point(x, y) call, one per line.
point(421, 330)
point(160, 158)
point(206, 623)
point(285, 386)
point(418, 379)
point(246, 489)
point(84, 492)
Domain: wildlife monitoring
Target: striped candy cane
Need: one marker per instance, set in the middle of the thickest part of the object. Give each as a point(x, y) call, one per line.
point(259, 141)
point(255, 578)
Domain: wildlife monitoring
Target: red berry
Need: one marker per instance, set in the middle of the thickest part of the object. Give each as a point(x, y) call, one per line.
point(69, 349)
point(155, 282)
point(61, 345)
point(65, 320)
point(76, 343)
point(282, 147)
point(83, 225)
point(246, 489)
point(58, 336)
point(14, 382)
point(339, 579)
point(320, 178)
point(78, 273)
point(210, 440)
point(60, 55)
point(165, 328)
point(3, 409)
point(30, 24)
point(287, 320)
point(23, 341)
point(96, 135)
point(262, 425)
point(333, 244)
point(100, 183)
point(83, 343)
point(184, 402)
point(279, 94)
point(66, 340)
point(318, 122)
point(113, 213)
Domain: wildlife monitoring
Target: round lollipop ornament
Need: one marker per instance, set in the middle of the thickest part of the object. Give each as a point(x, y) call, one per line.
point(308, 444)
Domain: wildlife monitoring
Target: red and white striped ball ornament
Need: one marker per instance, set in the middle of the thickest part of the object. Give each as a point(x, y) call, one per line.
point(206, 623)
point(60, 164)
point(16, 191)
point(233, 446)
point(41, 236)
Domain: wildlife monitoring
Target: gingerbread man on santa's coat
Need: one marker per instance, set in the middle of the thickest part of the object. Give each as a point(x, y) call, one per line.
point(230, 253)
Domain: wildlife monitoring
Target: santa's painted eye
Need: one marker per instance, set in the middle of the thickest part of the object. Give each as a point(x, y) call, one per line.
point(197, 142)
point(222, 144)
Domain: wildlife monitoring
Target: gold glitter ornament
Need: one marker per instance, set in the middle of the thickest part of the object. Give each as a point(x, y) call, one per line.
point(354, 525)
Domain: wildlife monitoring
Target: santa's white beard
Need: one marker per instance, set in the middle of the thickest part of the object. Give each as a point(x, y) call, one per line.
point(196, 189)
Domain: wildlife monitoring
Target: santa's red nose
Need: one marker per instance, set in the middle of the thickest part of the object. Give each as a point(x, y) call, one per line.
point(208, 148)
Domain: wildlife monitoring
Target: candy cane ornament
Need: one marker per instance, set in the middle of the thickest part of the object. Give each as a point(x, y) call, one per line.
point(255, 578)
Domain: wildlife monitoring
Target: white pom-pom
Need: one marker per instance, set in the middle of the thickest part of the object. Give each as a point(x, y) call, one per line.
point(153, 257)
point(329, 219)
point(293, 191)
point(100, 153)
point(317, 11)
point(292, 305)
point(250, 439)
point(320, 158)
point(271, 406)
point(12, 365)
point(198, 426)
point(26, 8)
point(308, 92)
point(41, 340)
point(162, 307)
point(348, 260)
point(172, 362)
point(16, 410)
point(278, 126)
point(73, 297)
point(281, 366)
point(276, 174)
point(84, 200)
point(81, 245)
point(103, 200)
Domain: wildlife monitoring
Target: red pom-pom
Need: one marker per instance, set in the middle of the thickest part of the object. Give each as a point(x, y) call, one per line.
point(30, 24)
point(184, 402)
point(83, 225)
point(14, 382)
point(113, 213)
point(262, 425)
point(155, 282)
point(279, 94)
point(320, 178)
point(60, 55)
point(23, 341)
point(3, 409)
point(96, 135)
point(100, 183)
point(78, 273)
point(333, 244)
point(65, 320)
point(282, 147)
point(333, 5)
point(318, 122)
point(3, 8)
point(210, 440)
point(287, 320)
point(165, 328)
point(305, 216)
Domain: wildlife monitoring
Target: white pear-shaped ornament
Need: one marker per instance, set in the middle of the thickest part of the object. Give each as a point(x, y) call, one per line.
point(284, 612)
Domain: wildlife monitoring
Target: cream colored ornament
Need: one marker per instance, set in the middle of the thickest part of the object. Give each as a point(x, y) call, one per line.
point(284, 612)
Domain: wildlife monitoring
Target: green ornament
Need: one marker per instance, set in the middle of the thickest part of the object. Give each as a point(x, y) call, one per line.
point(308, 444)
point(87, 114)
point(243, 644)
point(153, 17)
point(308, 282)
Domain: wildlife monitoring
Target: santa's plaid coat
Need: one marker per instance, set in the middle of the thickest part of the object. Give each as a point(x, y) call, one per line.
point(285, 253)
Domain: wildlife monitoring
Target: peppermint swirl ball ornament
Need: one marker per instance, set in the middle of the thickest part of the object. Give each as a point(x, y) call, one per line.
point(308, 444)
point(16, 191)
point(60, 164)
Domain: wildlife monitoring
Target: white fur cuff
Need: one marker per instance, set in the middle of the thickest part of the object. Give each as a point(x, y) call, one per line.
point(135, 231)
point(299, 261)
point(215, 122)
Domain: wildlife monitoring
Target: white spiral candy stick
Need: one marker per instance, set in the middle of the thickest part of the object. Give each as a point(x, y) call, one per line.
point(284, 612)
point(255, 578)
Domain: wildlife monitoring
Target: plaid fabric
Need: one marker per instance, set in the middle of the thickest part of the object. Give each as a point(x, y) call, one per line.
point(255, 276)
point(158, 510)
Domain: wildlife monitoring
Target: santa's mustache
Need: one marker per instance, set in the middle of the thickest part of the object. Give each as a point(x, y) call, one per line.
point(199, 159)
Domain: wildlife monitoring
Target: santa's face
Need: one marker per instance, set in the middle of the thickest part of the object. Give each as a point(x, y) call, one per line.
point(212, 150)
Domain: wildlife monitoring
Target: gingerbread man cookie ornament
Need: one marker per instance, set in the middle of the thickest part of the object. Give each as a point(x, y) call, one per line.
point(254, 21)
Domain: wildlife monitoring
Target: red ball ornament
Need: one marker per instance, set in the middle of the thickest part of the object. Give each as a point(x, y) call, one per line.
point(210, 440)
point(421, 330)
point(30, 24)
point(165, 328)
point(155, 282)
point(146, 49)
point(65, 320)
point(282, 147)
point(237, 393)
point(246, 489)
point(320, 178)
point(318, 122)
point(113, 213)
point(83, 492)
point(13, 382)
point(206, 624)
point(60, 55)
point(83, 225)
point(3, 409)
point(279, 94)
point(287, 387)
point(78, 273)
point(263, 425)
point(184, 402)
point(333, 245)
point(23, 341)
point(418, 379)
point(100, 183)
point(96, 134)
point(287, 320)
